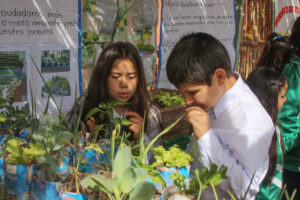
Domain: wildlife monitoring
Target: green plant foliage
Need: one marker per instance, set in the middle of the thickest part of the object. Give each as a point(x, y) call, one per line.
point(19, 154)
point(142, 46)
point(168, 100)
point(14, 117)
point(126, 182)
point(54, 141)
point(207, 177)
point(174, 157)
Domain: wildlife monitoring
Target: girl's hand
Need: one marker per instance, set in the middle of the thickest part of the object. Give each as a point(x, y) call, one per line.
point(137, 124)
point(199, 120)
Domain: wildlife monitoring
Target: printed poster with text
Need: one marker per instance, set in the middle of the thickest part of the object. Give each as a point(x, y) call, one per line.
point(286, 12)
point(39, 52)
point(180, 17)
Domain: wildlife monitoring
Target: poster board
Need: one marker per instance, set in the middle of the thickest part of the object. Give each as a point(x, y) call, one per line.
point(180, 17)
point(286, 13)
point(38, 35)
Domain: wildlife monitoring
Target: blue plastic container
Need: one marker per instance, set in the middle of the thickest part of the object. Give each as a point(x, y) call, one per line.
point(165, 173)
point(18, 179)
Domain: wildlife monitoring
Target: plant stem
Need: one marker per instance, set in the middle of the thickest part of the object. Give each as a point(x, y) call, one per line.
point(214, 189)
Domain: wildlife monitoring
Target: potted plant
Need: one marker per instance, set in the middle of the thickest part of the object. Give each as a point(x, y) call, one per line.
point(20, 164)
point(170, 161)
point(194, 187)
point(171, 104)
point(125, 182)
point(54, 165)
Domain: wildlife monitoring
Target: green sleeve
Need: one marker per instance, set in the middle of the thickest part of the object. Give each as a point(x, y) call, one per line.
point(289, 114)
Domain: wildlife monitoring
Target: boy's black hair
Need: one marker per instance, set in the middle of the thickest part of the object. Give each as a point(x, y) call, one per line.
point(194, 59)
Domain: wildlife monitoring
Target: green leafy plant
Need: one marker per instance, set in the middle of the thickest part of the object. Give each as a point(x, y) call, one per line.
point(168, 100)
point(8, 111)
point(174, 157)
point(22, 153)
point(54, 141)
point(125, 182)
point(106, 110)
point(208, 177)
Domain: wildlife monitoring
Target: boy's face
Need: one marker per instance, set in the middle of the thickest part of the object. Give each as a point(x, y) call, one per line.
point(202, 94)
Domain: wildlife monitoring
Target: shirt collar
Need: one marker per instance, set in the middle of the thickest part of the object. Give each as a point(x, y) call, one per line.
point(228, 97)
point(121, 116)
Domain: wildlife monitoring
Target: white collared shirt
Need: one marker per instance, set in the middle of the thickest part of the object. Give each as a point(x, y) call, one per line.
point(239, 138)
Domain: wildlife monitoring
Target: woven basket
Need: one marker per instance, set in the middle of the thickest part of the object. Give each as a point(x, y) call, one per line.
point(170, 115)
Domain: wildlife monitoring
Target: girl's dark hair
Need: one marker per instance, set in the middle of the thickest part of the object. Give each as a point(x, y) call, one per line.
point(195, 58)
point(276, 52)
point(266, 84)
point(295, 37)
point(98, 88)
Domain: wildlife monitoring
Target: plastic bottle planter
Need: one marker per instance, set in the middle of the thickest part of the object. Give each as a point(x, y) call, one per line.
point(18, 179)
point(45, 190)
point(91, 162)
point(165, 173)
point(23, 134)
point(2, 137)
point(2, 187)
point(63, 170)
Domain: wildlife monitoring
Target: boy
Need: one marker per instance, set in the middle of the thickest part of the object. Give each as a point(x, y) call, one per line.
point(230, 125)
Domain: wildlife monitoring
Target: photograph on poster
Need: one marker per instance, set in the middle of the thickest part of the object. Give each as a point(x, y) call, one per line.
point(58, 86)
point(53, 61)
point(13, 73)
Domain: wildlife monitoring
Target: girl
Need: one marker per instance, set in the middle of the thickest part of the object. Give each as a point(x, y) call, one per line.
point(289, 115)
point(275, 53)
point(119, 76)
point(270, 87)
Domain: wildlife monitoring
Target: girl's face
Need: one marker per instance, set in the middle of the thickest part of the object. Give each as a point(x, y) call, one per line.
point(281, 96)
point(122, 80)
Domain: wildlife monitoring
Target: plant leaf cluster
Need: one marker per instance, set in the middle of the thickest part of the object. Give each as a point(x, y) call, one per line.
point(174, 157)
point(207, 177)
point(168, 100)
point(126, 182)
point(20, 154)
point(54, 141)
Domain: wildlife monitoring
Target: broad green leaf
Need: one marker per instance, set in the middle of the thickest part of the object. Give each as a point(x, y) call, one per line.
point(66, 135)
point(141, 174)
point(122, 160)
point(57, 147)
point(118, 103)
point(142, 191)
point(2, 118)
point(92, 112)
point(13, 147)
point(34, 150)
point(90, 183)
point(126, 122)
point(117, 190)
point(127, 180)
point(104, 183)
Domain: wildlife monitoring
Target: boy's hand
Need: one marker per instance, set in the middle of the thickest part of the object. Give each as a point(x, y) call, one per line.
point(199, 120)
point(137, 124)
